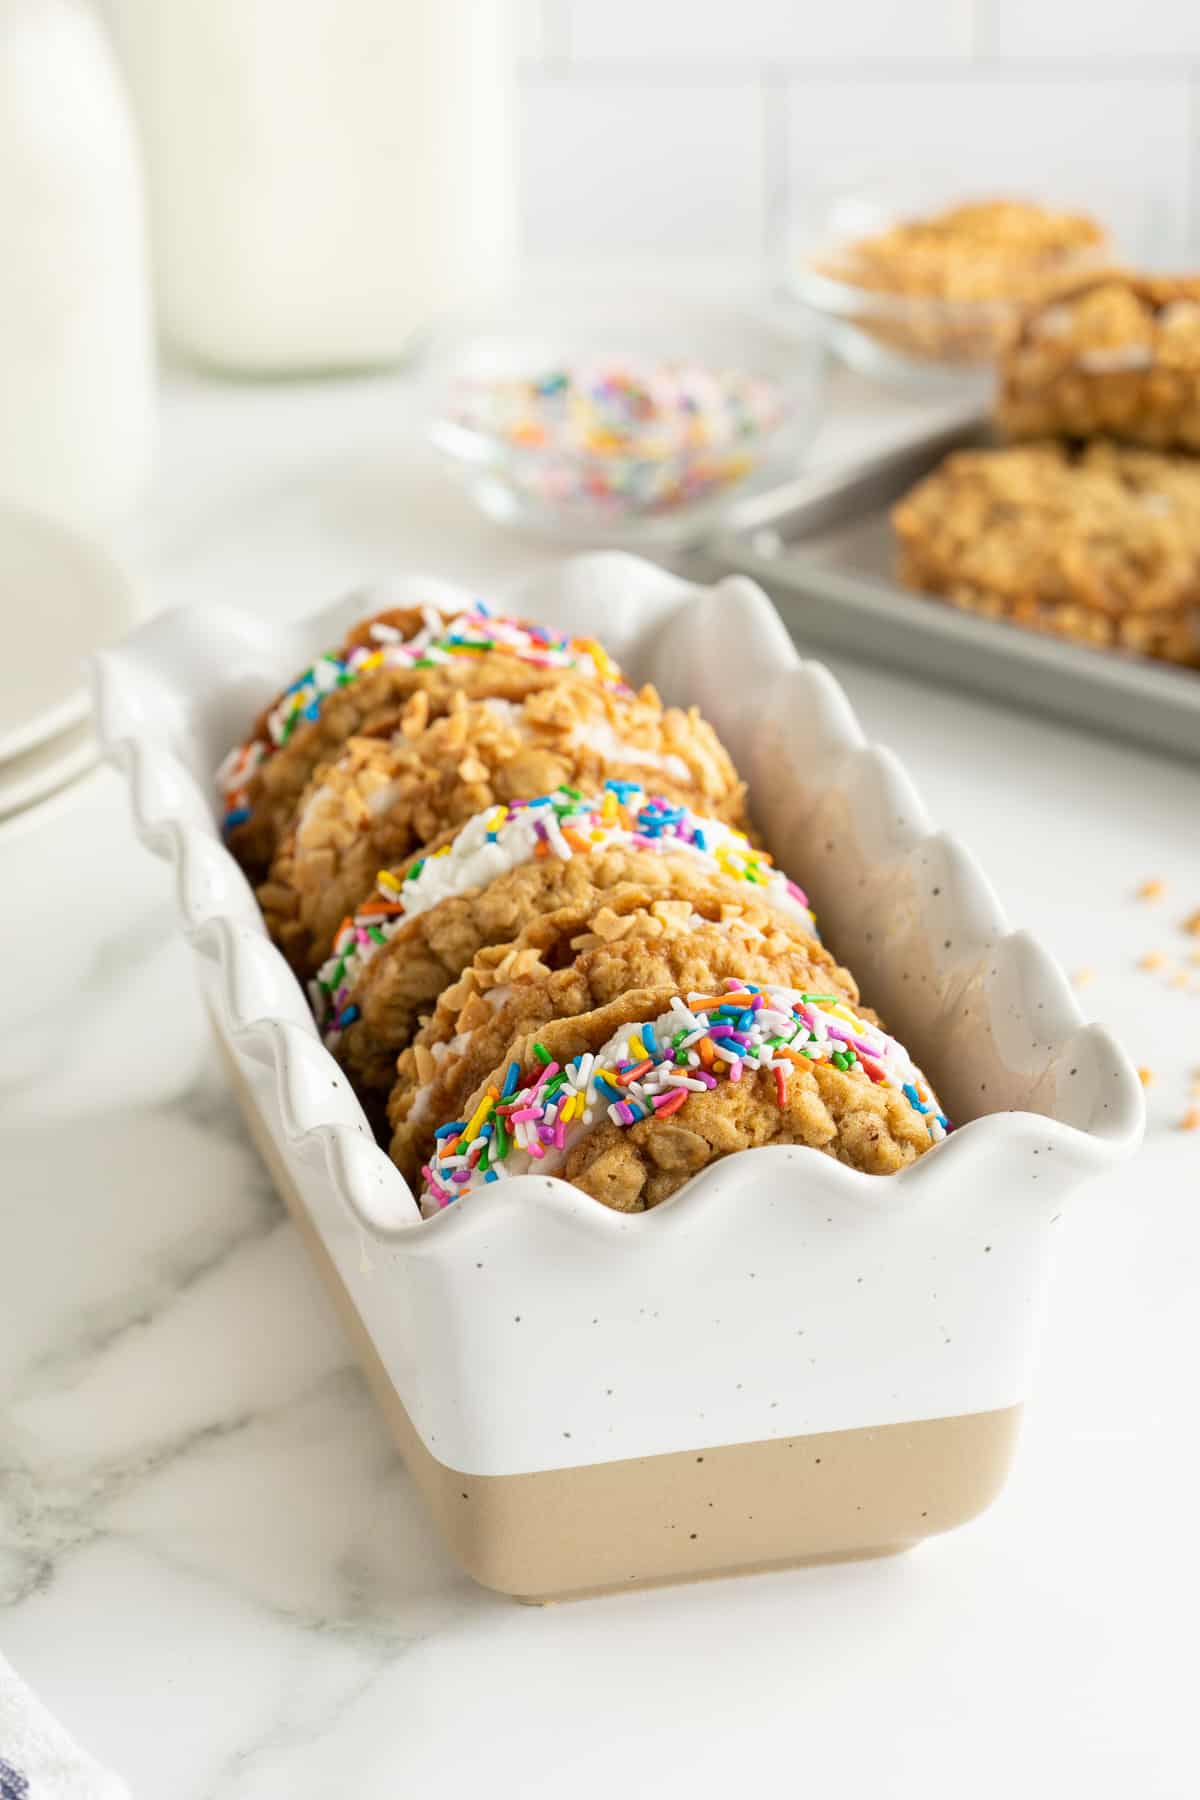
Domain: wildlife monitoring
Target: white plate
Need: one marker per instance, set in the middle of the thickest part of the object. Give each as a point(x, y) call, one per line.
point(28, 778)
point(61, 598)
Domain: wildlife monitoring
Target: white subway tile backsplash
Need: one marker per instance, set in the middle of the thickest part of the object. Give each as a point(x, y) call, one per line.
point(1119, 145)
point(1081, 28)
point(669, 126)
point(681, 31)
point(612, 167)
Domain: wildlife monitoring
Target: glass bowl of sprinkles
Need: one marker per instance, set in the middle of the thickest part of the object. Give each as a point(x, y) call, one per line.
point(625, 443)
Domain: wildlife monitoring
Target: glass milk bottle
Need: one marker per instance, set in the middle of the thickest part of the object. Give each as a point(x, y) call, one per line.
point(76, 360)
point(327, 176)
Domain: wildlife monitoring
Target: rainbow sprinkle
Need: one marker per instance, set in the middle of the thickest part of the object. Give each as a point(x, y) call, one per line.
point(624, 434)
point(560, 825)
point(650, 1069)
point(477, 632)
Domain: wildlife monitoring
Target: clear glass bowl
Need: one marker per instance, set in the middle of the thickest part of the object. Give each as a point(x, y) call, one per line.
point(892, 322)
point(644, 491)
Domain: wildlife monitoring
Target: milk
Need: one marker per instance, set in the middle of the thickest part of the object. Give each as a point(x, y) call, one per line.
point(327, 176)
point(76, 366)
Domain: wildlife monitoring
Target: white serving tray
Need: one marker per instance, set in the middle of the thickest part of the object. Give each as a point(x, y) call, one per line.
point(779, 1294)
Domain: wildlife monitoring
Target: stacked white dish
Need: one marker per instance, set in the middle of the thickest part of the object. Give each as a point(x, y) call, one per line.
point(61, 598)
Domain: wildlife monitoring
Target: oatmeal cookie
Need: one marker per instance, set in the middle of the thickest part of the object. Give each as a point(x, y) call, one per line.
point(385, 660)
point(424, 923)
point(383, 798)
point(1100, 544)
point(580, 958)
point(630, 1101)
point(1118, 357)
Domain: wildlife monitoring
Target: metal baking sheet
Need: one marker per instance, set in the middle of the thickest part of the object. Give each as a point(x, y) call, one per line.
point(823, 548)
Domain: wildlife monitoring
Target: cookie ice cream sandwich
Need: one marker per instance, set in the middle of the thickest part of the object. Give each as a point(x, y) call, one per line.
point(629, 1102)
point(383, 662)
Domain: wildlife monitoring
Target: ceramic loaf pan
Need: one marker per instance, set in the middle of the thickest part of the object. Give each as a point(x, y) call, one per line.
point(788, 1361)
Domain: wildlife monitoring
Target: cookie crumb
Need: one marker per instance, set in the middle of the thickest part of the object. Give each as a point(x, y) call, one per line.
point(1181, 980)
point(1083, 977)
point(1192, 923)
point(1191, 1119)
point(1152, 889)
point(1145, 1075)
point(1153, 959)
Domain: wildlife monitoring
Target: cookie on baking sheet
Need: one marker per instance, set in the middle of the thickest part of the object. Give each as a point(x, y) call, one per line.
point(1099, 544)
point(630, 1101)
point(382, 799)
point(1117, 357)
point(508, 865)
point(580, 958)
point(384, 661)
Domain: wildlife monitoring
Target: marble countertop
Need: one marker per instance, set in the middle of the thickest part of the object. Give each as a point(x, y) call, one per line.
point(213, 1567)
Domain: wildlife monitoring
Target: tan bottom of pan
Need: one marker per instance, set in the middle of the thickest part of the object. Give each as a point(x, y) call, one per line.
point(723, 1510)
